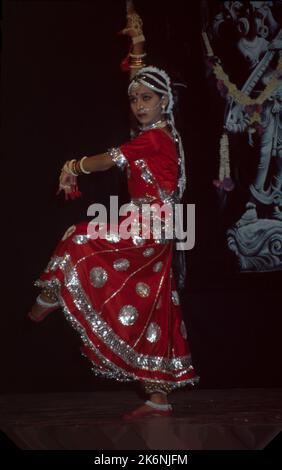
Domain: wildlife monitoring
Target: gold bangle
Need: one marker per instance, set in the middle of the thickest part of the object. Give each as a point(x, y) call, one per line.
point(136, 61)
point(137, 56)
point(74, 168)
point(137, 66)
point(67, 168)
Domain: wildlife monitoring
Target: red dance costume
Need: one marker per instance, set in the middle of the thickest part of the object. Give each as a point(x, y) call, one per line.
point(120, 295)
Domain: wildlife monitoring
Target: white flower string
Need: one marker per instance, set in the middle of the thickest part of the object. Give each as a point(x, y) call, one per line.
point(224, 168)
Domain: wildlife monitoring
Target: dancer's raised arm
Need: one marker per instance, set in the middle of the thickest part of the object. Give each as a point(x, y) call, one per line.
point(134, 29)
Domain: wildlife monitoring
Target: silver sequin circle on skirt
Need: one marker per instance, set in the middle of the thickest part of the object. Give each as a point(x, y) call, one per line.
point(98, 276)
point(128, 315)
point(153, 333)
point(142, 289)
point(121, 264)
point(148, 251)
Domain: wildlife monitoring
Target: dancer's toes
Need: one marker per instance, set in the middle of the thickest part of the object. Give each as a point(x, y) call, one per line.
point(149, 410)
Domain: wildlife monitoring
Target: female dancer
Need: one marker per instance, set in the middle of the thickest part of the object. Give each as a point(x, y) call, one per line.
point(119, 293)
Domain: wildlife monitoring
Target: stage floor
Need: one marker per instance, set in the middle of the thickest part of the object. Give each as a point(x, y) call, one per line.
point(203, 420)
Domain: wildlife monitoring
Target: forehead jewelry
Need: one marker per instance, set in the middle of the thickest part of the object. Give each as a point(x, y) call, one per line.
point(135, 84)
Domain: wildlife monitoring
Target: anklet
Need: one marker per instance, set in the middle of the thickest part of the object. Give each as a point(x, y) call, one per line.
point(158, 406)
point(42, 303)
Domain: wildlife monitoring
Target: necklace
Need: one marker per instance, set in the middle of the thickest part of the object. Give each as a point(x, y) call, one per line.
point(156, 125)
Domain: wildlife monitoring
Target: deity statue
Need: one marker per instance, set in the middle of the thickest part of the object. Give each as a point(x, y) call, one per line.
point(253, 33)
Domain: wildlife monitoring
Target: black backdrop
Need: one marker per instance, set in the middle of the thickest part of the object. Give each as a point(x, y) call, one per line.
point(64, 96)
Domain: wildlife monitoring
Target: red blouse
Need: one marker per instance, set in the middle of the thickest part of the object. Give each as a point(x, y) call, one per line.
point(151, 158)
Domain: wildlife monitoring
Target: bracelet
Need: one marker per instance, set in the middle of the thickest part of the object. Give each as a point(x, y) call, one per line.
point(136, 61)
point(137, 56)
point(69, 167)
point(81, 166)
point(75, 167)
point(137, 66)
point(137, 39)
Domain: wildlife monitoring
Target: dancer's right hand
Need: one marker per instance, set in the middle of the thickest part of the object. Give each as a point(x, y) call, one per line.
point(134, 24)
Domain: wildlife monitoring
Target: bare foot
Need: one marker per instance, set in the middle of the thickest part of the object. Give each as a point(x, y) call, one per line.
point(146, 411)
point(142, 409)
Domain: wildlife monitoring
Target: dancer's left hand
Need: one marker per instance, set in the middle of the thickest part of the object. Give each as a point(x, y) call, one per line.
point(68, 184)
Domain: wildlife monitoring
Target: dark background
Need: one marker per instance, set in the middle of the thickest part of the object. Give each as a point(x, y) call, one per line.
point(64, 96)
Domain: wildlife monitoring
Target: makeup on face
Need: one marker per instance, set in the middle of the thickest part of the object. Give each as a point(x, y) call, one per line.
point(146, 105)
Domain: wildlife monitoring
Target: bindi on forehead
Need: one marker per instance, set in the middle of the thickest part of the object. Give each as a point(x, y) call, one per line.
point(140, 93)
